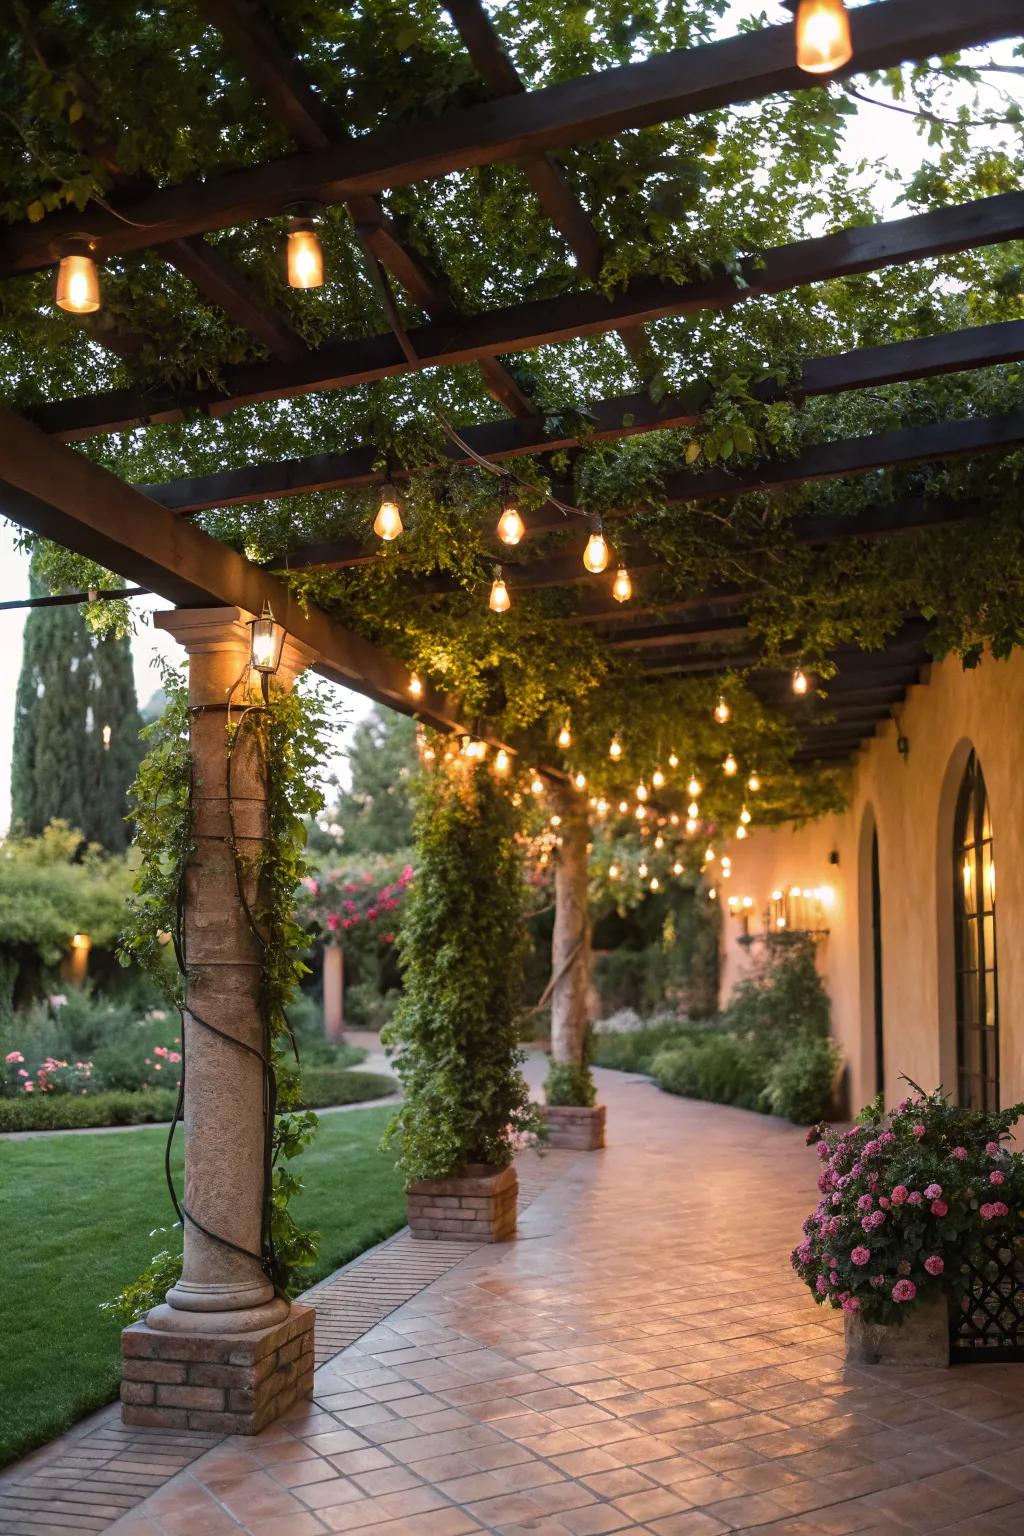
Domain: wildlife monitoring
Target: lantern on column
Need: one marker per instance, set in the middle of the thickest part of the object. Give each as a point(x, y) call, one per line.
point(266, 645)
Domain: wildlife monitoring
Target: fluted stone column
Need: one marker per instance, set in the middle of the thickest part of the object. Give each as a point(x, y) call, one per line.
point(223, 1291)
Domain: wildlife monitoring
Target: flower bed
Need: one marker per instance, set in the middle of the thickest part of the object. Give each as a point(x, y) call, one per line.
point(906, 1197)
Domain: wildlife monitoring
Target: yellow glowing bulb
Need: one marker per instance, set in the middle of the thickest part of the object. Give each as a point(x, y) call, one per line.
point(501, 761)
point(613, 871)
point(510, 525)
point(693, 788)
point(753, 783)
point(499, 600)
point(794, 890)
point(387, 525)
point(654, 882)
point(536, 785)
point(659, 841)
point(623, 807)
point(712, 893)
point(615, 749)
point(580, 781)
point(429, 754)
point(602, 807)
point(622, 587)
point(78, 283)
point(726, 861)
point(726, 871)
point(823, 42)
point(415, 686)
point(677, 868)
point(674, 818)
point(748, 901)
point(722, 712)
point(641, 791)
point(709, 855)
point(556, 820)
point(305, 258)
point(641, 812)
point(673, 760)
point(691, 824)
point(780, 922)
point(595, 556)
point(565, 736)
point(657, 778)
point(741, 832)
point(642, 871)
point(800, 682)
point(693, 809)
point(745, 816)
point(729, 766)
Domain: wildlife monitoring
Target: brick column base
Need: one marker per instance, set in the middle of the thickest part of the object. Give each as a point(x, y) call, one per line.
point(236, 1383)
point(574, 1129)
point(479, 1206)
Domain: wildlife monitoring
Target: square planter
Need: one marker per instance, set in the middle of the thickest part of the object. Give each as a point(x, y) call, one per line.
point(574, 1129)
point(921, 1340)
point(476, 1206)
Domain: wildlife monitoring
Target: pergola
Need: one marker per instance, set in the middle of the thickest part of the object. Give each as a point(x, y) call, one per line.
point(147, 533)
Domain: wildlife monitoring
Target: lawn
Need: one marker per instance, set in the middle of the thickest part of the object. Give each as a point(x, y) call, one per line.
point(76, 1213)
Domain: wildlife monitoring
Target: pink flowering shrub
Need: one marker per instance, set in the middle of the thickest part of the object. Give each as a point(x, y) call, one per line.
point(344, 903)
point(905, 1197)
point(52, 1075)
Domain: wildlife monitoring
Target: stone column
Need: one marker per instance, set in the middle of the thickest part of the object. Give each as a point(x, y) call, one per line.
point(570, 941)
point(223, 1291)
point(334, 992)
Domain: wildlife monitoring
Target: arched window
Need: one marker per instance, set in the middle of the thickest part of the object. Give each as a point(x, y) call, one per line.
point(974, 912)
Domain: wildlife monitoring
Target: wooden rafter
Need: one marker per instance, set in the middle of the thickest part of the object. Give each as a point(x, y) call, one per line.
point(734, 71)
point(862, 248)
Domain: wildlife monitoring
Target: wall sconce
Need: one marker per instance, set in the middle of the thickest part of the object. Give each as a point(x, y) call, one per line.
point(265, 646)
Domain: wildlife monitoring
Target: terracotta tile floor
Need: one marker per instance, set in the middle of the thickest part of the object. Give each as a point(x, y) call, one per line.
point(640, 1359)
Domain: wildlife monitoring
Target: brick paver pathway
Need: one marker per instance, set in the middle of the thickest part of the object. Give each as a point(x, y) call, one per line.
point(640, 1359)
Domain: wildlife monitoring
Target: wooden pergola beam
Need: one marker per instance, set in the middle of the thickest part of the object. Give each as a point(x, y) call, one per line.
point(220, 281)
point(727, 73)
point(861, 248)
point(65, 497)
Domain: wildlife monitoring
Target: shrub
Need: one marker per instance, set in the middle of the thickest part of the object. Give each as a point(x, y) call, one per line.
point(783, 998)
point(714, 1066)
point(633, 1049)
point(569, 1083)
point(324, 1086)
point(800, 1082)
point(905, 1198)
point(65, 1112)
point(306, 1018)
point(625, 1021)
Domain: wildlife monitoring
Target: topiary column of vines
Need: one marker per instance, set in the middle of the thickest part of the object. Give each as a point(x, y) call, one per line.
point(456, 1031)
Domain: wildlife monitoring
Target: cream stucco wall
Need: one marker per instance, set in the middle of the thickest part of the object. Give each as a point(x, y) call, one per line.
point(912, 801)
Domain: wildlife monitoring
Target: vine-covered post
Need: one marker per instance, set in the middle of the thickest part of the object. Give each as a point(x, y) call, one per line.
point(573, 1120)
point(225, 1291)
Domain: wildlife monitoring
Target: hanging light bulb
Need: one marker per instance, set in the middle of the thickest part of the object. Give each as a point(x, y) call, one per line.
point(387, 525)
point(580, 781)
point(691, 825)
point(429, 754)
point(722, 712)
point(556, 820)
point(642, 871)
point(510, 525)
point(741, 832)
point(673, 760)
point(623, 807)
point(657, 778)
point(823, 42)
point(622, 586)
point(501, 762)
point(613, 871)
point(641, 791)
point(693, 810)
point(536, 785)
point(78, 277)
point(595, 556)
point(677, 868)
point(754, 783)
point(693, 788)
point(709, 855)
point(729, 766)
point(641, 812)
point(615, 749)
point(654, 882)
point(602, 807)
point(305, 258)
point(499, 600)
point(801, 682)
point(415, 686)
point(659, 841)
point(565, 737)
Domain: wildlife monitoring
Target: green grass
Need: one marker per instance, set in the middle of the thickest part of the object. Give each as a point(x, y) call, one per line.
point(76, 1213)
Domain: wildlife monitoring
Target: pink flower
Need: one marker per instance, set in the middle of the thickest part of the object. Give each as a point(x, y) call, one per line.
point(803, 1253)
point(899, 1194)
point(986, 1212)
point(22, 1072)
point(918, 1131)
point(939, 1208)
point(934, 1264)
point(29, 1087)
point(933, 1192)
point(312, 886)
point(834, 1276)
point(884, 1202)
point(995, 1177)
point(904, 1290)
point(993, 1149)
point(850, 1304)
point(1000, 1209)
point(333, 921)
point(860, 1256)
point(915, 1197)
point(14, 1056)
point(960, 1153)
point(388, 938)
point(872, 1220)
point(865, 1203)
point(821, 1285)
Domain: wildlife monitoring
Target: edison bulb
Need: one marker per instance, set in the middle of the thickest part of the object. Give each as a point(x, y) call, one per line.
point(823, 41)
point(615, 749)
point(693, 810)
point(693, 788)
point(691, 825)
point(305, 258)
point(709, 855)
point(673, 760)
point(499, 600)
point(641, 791)
point(501, 761)
point(580, 781)
point(741, 832)
point(729, 766)
point(722, 712)
point(641, 812)
point(659, 841)
point(78, 283)
point(753, 783)
point(622, 586)
point(745, 816)
point(602, 807)
point(657, 778)
point(654, 882)
point(510, 525)
point(677, 868)
point(800, 681)
point(415, 686)
point(387, 525)
point(613, 871)
point(565, 737)
point(595, 556)
point(536, 785)
point(642, 871)
point(623, 807)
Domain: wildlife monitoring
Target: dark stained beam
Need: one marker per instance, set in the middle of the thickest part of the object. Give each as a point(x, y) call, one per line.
point(220, 281)
point(705, 632)
point(659, 89)
point(539, 322)
point(60, 494)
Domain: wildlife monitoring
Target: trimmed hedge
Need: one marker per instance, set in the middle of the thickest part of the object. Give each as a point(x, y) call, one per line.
point(321, 1088)
point(634, 1050)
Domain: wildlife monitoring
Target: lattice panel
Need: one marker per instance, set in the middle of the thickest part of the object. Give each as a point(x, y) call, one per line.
point(988, 1323)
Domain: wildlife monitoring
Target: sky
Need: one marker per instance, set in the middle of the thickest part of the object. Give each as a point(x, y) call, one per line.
point(875, 132)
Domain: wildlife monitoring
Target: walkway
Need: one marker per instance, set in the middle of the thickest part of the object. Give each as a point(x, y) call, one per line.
point(641, 1359)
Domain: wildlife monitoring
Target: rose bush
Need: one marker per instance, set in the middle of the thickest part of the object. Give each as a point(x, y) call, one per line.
point(905, 1197)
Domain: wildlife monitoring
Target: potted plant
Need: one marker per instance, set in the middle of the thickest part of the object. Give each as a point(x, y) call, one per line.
point(571, 1115)
point(906, 1198)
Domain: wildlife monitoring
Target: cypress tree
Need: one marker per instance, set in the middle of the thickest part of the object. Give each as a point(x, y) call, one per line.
point(76, 728)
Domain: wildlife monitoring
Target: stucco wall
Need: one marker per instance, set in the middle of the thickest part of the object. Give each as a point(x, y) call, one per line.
point(912, 800)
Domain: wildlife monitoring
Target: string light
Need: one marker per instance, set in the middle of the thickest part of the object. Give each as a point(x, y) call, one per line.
point(723, 714)
point(580, 781)
point(754, 783)
point(741, 832)
point(536, 785)
point(745, 816)
point(657, 778)
point(642, 871)
point(556, 820)
point(304, 257)
point(693, 810)
point(623, 807)
point(510, 525)
point(691, 825)
point(415, 686)
point(641, 791)
point(78, 278)
point(673, 760)
point(501, 762)
point(602, 807)
point(712, 893)
point(674, 818)
point(709, 855)
point(595, 556)
point(565, 737)
point(622, 586)
point(801, 682)
point(729, 766)
point(499, 601)
point(748, 902)
point(659, 841)
point(654, 882)
point(776, 895)
point(615, 749)
point(613, 871)
point(823, 42)
point(726, 861)
point(677, 868)
point(387, 525)
point(693, 788)
point(641, 812)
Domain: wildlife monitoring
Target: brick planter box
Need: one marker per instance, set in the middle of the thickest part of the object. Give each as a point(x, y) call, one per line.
point(234, 1383)
point(573, 1128)
point(478, 1206)
point(922, 1339)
